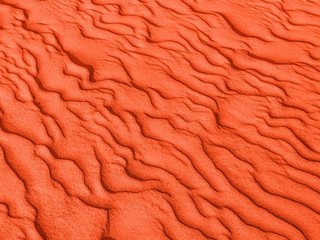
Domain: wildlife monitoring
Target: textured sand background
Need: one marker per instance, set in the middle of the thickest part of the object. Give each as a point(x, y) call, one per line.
point(159, 119)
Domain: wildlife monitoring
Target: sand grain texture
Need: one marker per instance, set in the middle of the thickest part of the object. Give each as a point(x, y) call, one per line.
point(159, 119)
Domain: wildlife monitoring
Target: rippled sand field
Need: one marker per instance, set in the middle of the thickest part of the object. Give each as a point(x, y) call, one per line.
point(159, 120)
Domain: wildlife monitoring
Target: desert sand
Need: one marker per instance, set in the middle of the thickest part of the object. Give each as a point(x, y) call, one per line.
point(159, 120)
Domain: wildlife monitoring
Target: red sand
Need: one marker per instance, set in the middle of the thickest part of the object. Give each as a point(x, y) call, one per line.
point(159, 119)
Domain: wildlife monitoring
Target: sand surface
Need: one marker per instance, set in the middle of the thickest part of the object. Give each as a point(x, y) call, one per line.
point(159, 120)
